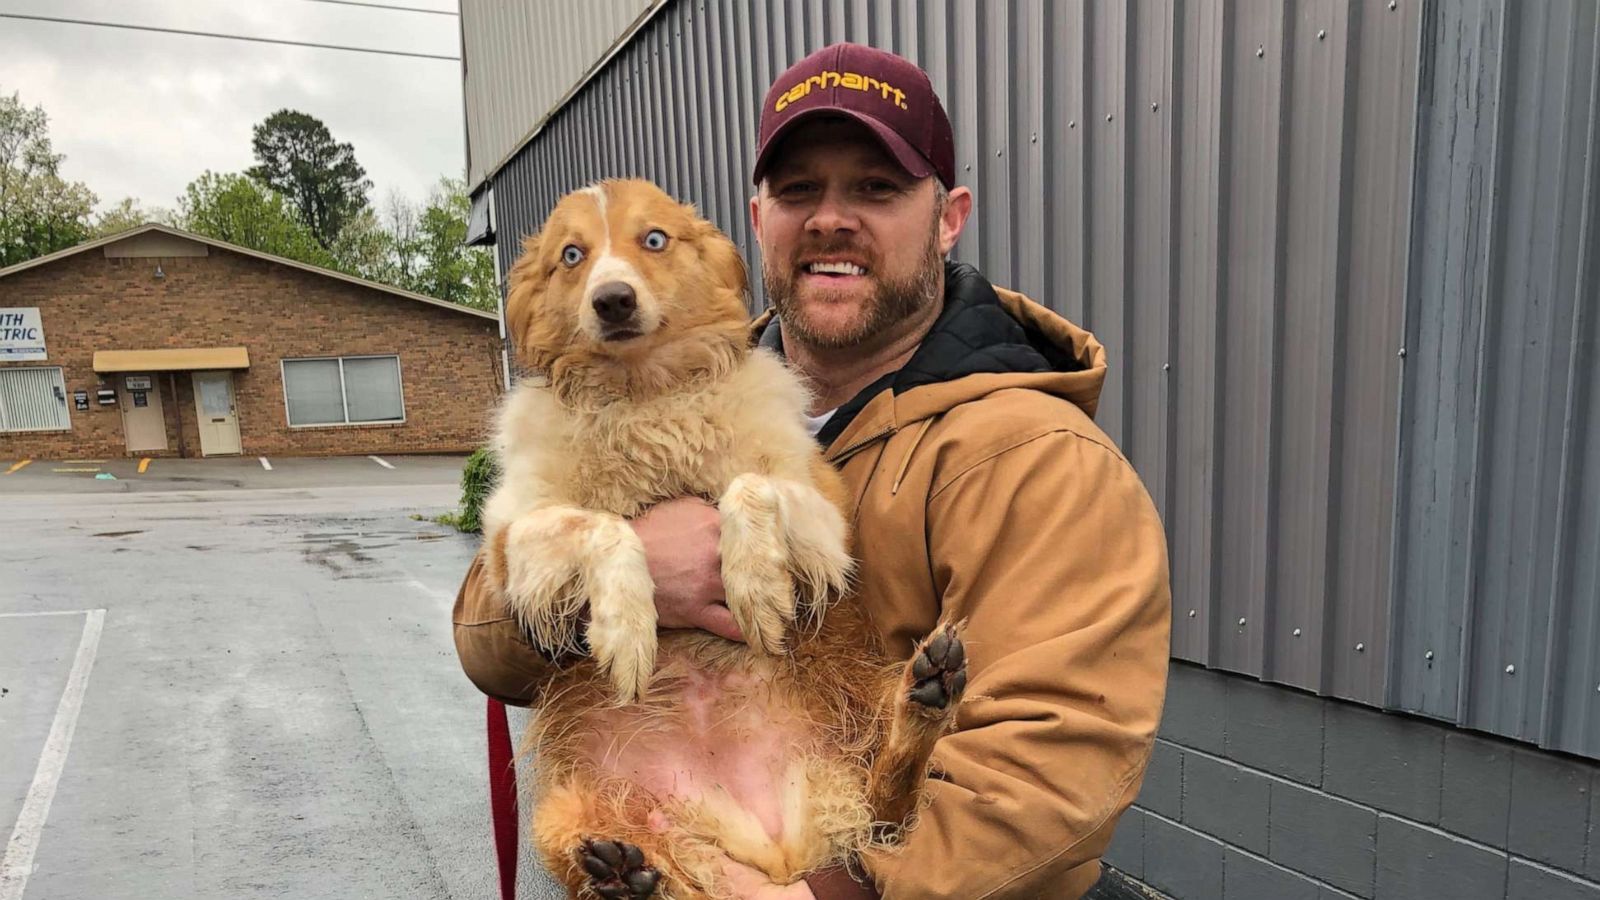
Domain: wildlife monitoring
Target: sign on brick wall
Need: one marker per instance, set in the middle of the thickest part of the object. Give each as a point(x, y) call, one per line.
point(21, 334)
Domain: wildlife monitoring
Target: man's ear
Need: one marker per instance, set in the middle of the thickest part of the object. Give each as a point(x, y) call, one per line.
point(755, 215)
point(953, 219)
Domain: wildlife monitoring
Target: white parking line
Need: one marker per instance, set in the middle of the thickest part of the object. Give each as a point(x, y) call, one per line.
point(380, 461)
point(18, 862)
point(264, 464)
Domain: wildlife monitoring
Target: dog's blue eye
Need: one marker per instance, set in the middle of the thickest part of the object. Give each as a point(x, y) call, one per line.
point(655, 240)
point(572, 255)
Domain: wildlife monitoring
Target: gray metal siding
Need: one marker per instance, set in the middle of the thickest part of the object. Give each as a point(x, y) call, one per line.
point(1222, 190)
point(1497, 518)
point(521, 58)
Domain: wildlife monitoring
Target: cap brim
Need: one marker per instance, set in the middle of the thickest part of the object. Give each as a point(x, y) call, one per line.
point(897, 147)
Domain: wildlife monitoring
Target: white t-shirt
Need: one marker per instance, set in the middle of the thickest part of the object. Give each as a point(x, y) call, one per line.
point(814, 423)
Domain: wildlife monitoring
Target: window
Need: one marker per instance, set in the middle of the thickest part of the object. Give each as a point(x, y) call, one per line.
point(349, 390)
point(33, 399)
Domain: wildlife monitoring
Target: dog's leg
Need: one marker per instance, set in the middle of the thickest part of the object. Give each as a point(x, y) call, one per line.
point(555, 558)
point(923, 709)
point(568, 828)
point(755, 561)
point(817, 541)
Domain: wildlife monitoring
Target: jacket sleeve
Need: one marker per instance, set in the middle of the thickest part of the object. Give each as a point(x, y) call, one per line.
point(1053, 553)
point(492, 648)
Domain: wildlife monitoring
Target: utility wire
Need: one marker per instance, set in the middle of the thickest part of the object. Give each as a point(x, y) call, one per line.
point(415, 9)
point(229, 37)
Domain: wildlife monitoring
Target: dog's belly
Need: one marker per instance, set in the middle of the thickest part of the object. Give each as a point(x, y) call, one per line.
point(725, 751)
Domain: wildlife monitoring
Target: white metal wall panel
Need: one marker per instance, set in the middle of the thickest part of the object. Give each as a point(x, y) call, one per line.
point(520, 58)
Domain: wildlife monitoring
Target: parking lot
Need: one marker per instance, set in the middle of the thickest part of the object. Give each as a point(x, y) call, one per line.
point(223, 680)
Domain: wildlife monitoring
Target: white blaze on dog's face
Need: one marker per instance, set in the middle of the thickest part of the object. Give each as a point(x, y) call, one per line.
point(618, 269)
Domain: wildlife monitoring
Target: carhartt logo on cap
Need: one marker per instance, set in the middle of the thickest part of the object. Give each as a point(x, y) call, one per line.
point(854, 81)
point(885, 93)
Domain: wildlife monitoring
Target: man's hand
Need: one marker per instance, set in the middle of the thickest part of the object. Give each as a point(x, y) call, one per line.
point(681, 546)
point(745, 883)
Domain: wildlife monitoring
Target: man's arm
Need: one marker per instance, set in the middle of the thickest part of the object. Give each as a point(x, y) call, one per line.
point(681, 539)
point(1054, 555)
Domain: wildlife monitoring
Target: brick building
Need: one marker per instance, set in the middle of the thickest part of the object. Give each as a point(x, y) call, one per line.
point(156, 342)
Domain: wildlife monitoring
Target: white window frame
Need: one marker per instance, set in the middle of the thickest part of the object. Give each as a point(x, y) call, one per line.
point(61, 377)
point(344, 398)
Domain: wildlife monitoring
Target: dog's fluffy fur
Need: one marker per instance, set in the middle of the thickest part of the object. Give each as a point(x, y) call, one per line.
point(785, 752)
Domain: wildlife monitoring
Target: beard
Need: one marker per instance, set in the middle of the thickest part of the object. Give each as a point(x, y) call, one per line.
point(891, 300)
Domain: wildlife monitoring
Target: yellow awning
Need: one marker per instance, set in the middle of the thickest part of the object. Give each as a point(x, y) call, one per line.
point(171, 360)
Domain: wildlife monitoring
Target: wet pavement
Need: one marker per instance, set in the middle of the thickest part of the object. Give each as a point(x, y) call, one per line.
point(272, 707)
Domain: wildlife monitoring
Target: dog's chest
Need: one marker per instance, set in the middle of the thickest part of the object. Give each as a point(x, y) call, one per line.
point(626, 461)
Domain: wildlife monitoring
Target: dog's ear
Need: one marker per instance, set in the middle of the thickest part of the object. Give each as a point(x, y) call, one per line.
point(525, 287)
point(723, 260)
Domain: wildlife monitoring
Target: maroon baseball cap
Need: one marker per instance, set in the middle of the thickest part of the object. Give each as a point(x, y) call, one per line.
point(886, 93)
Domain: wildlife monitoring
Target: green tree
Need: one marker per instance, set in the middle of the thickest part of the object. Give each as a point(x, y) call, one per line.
point(449, 269)
point(129, 214)
point(233, 208)
point(298, 157)
point(40, 212)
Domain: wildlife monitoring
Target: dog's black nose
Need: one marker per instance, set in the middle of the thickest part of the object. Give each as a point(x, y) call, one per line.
point(614, 302)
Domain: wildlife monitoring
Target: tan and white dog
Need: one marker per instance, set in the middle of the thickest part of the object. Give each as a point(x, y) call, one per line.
point(658, 753)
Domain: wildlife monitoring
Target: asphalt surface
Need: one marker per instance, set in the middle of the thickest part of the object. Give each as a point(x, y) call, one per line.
point(274, 707)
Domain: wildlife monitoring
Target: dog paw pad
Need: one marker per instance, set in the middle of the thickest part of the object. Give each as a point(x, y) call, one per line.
point(617, 870)
point(939, 670)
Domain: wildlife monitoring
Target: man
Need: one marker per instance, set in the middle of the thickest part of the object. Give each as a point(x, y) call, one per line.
point(960, 416)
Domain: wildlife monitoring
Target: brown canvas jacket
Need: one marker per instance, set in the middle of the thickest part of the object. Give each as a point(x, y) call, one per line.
point(984, 492)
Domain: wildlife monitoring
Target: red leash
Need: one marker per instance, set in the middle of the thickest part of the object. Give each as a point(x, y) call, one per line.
point(503, 798)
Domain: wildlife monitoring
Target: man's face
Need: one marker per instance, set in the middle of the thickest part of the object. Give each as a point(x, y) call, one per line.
point(851, 244)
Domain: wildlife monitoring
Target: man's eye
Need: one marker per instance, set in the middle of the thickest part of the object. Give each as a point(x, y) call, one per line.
point(796, 189)
point(881, 187)
point(571, 255)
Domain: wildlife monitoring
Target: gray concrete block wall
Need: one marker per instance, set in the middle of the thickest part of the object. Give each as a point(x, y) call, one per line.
point(1257, 792)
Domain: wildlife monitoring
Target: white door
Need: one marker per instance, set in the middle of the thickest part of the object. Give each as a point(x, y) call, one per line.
point(143, 425)
point(213, 405)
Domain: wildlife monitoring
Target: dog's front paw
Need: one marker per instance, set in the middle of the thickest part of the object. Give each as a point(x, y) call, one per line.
point(622, 615)
point(755, 562)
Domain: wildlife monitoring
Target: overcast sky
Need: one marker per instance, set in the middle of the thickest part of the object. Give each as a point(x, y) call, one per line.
point(142, 114)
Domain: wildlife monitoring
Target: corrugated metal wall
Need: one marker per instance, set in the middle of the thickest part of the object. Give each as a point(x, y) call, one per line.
point(1224, 191)
point(519, 59)
point(1498, 616)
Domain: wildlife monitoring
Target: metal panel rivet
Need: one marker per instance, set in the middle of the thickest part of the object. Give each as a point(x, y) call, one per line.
point(1241, 620)
point(1166, 367)
point(1072, 123)
point(1428, 655)
point(1297, 632)
point(969, 167)
point(1108, 117)
point(1261, 51)
point(997, 153)
point(1154, 106)
point(1034, 138)
point(1393, 4)
point(1191, 613)
point(1511, 670)
point(1322, 34)
point(1402, 353)
point(1361, 648)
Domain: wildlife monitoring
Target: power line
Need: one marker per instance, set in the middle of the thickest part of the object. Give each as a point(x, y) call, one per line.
point(230, 37)
point(415, 9)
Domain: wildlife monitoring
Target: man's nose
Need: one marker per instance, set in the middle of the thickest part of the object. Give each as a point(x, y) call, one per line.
point(614, 302)
point(832, 215)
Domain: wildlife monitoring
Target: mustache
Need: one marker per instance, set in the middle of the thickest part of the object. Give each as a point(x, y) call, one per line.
point(841, 247)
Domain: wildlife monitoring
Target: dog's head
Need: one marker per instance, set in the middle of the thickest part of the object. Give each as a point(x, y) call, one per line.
point(623, 276)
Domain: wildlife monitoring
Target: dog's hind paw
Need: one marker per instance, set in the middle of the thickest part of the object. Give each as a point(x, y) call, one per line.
point(939, 670)
point(617, 870)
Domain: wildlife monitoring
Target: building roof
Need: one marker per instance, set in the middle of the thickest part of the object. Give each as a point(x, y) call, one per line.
point(235, 248)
